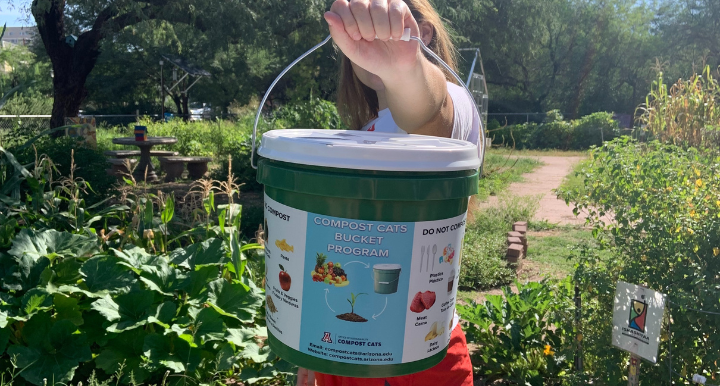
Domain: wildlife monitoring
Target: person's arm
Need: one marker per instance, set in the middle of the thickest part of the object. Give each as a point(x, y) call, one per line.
point(416, 90)
point(418, 100)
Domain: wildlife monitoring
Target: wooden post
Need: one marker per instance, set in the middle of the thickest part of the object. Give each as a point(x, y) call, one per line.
point(578, 336)
point(634, 371)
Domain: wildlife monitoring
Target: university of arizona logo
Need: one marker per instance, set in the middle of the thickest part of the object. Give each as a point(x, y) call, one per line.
point(326, 338)
point(372, 128)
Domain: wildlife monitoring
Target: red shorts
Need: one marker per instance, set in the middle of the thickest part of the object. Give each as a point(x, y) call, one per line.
point(454, 370)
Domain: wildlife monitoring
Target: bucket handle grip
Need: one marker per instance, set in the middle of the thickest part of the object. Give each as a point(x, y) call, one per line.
point(406, 37)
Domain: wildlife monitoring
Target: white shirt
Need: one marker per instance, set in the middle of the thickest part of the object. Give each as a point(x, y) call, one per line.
point(466, 122)
point(466, 126)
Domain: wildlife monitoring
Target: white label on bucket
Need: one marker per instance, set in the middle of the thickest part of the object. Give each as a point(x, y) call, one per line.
point(284, 246)
point(353, 304)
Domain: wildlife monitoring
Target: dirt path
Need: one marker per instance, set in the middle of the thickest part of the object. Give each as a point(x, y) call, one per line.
point(542, 181)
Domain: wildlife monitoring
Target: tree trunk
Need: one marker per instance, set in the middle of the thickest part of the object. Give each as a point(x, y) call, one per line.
point(181, 104)
point(69, 95)
point(72, 59)
point(186, 107)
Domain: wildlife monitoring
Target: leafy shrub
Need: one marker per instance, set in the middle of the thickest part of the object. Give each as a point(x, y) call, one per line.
point(91, 163)
point(69, 306)
point(555, 133)
point(313, 114)
point(195, 138)
point(665, 234)
point(16, 131)
point(220, 139)
point(241, 168)
point(112, 303)
point(483, 255)
point(523, 338)
point(517, 136)
point(27, 103)
point(592, 129)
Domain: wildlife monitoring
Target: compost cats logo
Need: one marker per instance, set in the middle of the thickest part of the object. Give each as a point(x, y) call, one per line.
point(638, 315)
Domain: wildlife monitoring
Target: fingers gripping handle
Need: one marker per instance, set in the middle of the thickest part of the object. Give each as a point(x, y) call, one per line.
point(405, 37)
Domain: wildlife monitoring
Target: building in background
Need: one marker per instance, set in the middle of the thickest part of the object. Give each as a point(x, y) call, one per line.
point(20, 35)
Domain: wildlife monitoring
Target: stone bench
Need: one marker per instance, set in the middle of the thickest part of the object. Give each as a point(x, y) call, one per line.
point(174, 166)
point(136, 153)
point(119, 166)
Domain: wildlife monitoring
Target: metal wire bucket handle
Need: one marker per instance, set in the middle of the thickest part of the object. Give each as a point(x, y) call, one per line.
point(405, 37)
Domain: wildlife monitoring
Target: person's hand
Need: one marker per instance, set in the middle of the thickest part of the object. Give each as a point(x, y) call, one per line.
point(305, 377)
point(355, 24)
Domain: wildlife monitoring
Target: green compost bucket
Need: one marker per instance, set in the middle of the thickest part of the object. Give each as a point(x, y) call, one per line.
point(386, 277)
point(362, 228)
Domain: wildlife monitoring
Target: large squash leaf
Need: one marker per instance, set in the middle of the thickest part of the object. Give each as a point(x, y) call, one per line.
point(26, 273)
point(34, 301)
point(163, 278)
point(199, 280)
point(206, 325)
point(103, 275)
point(66, 308)
point(132, 310)
point(234, 299)
point(135, 258)
point(53, 351)
point(51, 244)
point(125, 350)
point(208, 252)
point(171, 352)
point(63, 273)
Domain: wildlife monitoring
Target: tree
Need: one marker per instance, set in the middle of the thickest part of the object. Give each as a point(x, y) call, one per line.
point(74, 57)
point(225, 36)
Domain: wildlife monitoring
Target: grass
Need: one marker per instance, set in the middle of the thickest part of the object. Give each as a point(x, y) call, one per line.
point(552, 250)
point(505, 151)
point(500, 171)
point(574, 181)
point(483, 254)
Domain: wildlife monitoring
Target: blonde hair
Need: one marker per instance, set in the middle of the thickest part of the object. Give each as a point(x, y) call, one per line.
point(358, 103)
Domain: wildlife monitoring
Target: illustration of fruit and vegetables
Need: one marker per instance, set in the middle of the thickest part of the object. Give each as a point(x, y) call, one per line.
point(422, 301)
point(435, 331)
point(284, 279)
point(284, 246)
point(329, 272)
point(448, 254)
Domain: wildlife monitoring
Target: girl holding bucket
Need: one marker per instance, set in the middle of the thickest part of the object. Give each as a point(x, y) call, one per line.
point(391, 86)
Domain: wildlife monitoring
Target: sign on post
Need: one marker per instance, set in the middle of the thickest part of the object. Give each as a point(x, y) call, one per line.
point(637, 320)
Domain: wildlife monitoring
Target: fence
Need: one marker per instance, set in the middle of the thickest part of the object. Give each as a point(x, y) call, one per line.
point(517, 118)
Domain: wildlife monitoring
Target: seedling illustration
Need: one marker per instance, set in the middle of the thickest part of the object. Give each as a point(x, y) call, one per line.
point(352, 316)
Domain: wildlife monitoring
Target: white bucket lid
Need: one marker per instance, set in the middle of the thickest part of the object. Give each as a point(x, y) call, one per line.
point(354, 149)
point(387, 267)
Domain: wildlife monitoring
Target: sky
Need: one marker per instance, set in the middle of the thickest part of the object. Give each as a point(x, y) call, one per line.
point(13, 14)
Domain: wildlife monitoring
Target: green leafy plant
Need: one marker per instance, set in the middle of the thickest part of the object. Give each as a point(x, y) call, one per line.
point(523, 338)
point(90, 294)
point(352, 300)
point(68, 304)
point(555, 133)
point(655, 206)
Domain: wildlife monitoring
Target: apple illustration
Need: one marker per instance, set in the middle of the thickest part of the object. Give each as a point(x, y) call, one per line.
point(284, 279)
